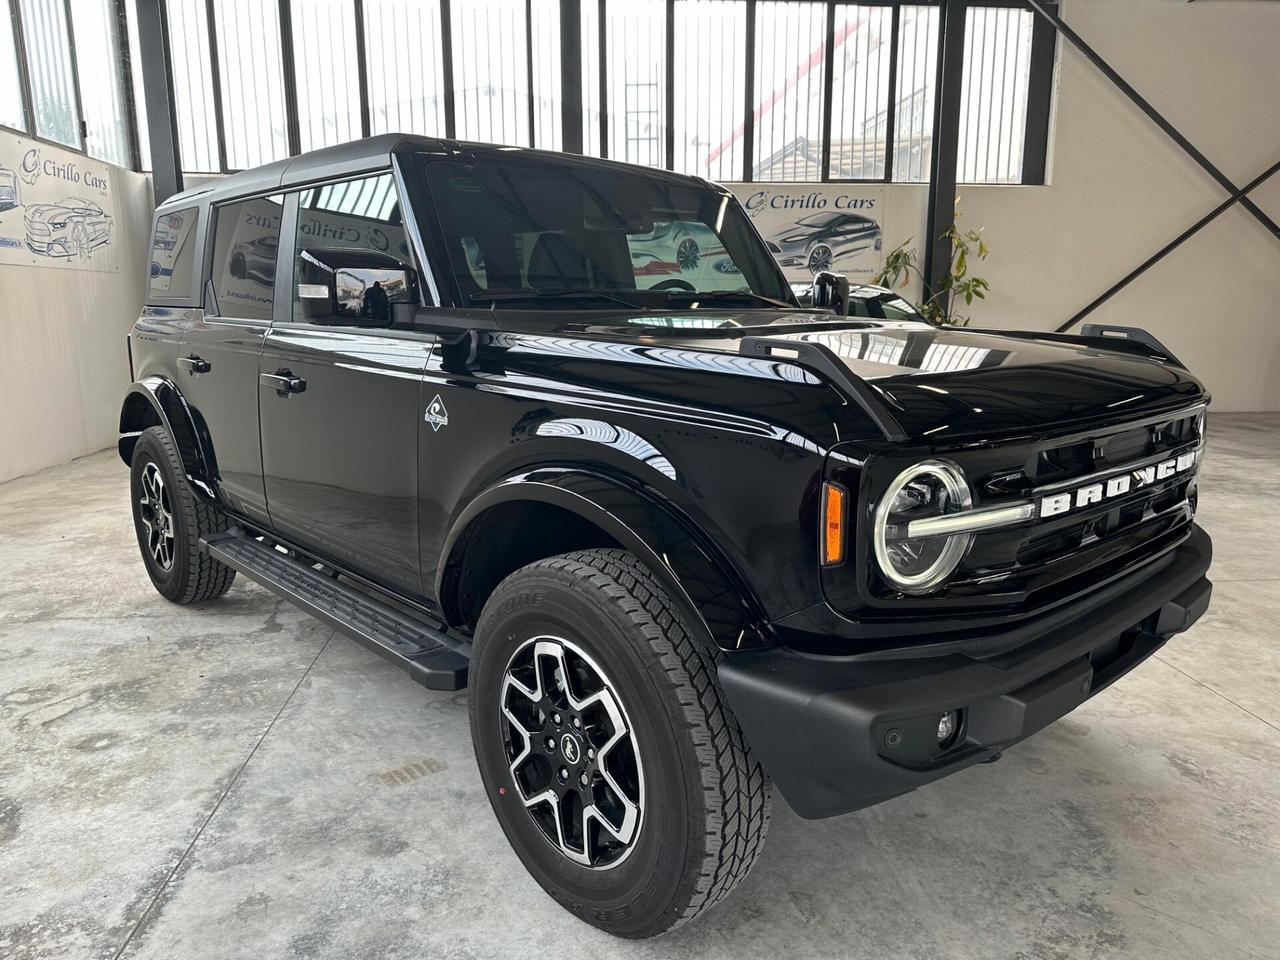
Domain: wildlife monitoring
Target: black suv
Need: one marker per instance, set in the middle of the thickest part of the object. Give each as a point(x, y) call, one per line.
point(678, 537)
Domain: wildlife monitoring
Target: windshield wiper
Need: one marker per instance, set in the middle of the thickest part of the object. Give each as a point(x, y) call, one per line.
point(501, 296)
point(703, 295)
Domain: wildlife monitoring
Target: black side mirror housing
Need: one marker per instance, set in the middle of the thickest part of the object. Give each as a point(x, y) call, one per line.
point(831, 290)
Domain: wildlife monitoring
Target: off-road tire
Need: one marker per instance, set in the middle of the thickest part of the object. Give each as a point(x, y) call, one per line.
point(707, 798)
point(193, 576)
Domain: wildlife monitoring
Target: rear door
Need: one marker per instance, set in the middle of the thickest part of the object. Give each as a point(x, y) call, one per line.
point(218, 365)
point(339, 384)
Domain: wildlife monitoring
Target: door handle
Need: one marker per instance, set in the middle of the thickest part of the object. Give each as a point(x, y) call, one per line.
point(283, 382)
point(194, 365)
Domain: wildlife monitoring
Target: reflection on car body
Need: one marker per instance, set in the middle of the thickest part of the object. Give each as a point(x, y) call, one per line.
point(818, 241)
point(255, 260)
point(72, 228)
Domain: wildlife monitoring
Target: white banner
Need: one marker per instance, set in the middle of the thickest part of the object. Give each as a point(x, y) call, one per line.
point(57, 208)
point(818, 226)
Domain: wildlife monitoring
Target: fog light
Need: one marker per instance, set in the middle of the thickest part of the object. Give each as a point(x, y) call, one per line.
point(947, 724)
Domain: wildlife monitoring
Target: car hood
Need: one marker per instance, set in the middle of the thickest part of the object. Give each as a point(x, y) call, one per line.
point(949, 383)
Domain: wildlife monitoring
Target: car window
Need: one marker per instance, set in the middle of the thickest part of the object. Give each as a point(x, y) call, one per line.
point(173, 244)
point(244, 257)
point(531, 234)
point(351, 254)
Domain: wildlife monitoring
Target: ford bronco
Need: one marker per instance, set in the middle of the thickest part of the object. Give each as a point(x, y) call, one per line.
point(680, 539)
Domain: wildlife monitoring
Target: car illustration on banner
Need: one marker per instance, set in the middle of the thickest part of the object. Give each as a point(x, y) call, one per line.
point(255, 260)
point(821, 240)
point(73, 228)
point(9, 195)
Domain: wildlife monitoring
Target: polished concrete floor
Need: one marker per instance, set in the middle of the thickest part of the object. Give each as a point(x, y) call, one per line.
point(232, 780)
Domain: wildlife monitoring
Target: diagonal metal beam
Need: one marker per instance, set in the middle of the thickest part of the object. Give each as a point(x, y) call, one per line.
point(1042, 7)
point(1238, 196)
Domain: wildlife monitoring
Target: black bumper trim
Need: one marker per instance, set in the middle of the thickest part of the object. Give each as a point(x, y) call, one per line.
point(822, 726)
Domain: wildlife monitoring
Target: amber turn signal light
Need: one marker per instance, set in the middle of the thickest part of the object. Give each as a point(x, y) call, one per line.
point(832, 524)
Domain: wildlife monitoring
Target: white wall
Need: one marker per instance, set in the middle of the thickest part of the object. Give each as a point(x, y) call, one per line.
point(63, 360)
point(1120, 190)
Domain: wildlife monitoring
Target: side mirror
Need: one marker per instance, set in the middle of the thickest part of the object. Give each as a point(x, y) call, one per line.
point(831, 290)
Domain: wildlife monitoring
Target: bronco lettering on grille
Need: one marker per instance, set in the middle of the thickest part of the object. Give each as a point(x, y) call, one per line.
point(1116, 486)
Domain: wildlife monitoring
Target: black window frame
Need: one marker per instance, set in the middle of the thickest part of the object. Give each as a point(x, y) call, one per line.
point(207, 285)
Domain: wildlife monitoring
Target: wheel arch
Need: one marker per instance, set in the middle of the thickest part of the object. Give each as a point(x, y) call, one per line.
point(535, 515)
point(156, 401)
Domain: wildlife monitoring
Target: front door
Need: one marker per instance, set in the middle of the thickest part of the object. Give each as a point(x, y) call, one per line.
point(339, 386)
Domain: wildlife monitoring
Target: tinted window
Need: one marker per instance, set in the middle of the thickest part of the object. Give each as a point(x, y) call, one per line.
point(529, 234)
point(351, 256)
point(173, 246)
point(246, 236)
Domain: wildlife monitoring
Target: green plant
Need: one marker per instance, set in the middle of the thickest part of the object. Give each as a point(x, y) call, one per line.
point(903, 262)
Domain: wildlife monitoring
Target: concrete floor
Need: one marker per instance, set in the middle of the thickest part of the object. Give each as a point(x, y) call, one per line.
point(233, 780)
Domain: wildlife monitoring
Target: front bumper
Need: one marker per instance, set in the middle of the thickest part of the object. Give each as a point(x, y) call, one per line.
point(841, 733)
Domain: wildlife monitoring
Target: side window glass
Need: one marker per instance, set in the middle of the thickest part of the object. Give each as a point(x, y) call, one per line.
point(245, 238)
point(173, 246)
point(352, 262)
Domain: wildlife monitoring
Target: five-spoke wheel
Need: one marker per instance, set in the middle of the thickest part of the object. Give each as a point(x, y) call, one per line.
point(156, 514)
point(571, 751)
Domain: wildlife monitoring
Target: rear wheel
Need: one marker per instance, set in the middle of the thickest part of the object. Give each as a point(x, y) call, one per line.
point(607, 751)
point(170, 520)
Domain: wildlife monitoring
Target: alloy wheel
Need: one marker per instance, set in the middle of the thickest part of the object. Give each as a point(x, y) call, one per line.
point(688, 256)
point(572, 752)
point(820, 259)
point(157, 516)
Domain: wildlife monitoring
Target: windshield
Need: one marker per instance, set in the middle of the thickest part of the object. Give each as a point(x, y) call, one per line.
point(524, 234)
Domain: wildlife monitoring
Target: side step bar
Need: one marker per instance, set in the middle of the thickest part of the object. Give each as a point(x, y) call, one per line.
point(411, 644)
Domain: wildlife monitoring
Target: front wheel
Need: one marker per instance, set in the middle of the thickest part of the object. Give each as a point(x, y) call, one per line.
point(170, 520)
point(606, 748)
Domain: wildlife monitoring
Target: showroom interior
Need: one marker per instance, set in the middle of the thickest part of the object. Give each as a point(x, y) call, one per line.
point(237, 778)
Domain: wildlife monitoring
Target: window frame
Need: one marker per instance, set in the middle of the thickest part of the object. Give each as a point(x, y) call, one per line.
point(196, 296)
point(210, 244)
point(286, 253)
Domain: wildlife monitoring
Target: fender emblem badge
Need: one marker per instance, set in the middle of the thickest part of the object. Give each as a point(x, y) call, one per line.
point(436, 414)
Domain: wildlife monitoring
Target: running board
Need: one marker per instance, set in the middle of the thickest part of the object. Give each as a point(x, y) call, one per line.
point(411, 644)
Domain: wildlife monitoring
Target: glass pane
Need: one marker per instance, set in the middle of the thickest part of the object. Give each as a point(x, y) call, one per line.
point(490, 72)
point(710, 85)
point(993, 100)
point(139, 97)
point(860, 91)
point(917, 66)
point(548, 124)
point(252, 82)
point(351, 259)
point(790, 56)
point(532, 235)
point(635, 45)
point(327, 68)
point(406, 86)
point(192, 88)
point(173, 255)
point(246, 237)
point(49, 64)
point(10, 89)
point(98, 63)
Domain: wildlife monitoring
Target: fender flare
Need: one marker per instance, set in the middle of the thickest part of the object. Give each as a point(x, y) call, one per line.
point(687, 562)
point(168, 404)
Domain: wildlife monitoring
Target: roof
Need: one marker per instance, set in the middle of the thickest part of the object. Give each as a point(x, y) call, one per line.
point(360, 156)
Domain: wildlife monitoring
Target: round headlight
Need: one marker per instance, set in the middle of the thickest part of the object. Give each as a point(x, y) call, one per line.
point(932, 488)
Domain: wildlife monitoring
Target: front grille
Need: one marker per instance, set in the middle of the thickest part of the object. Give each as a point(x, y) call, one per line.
point(1053, 557)
point(37, 228)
